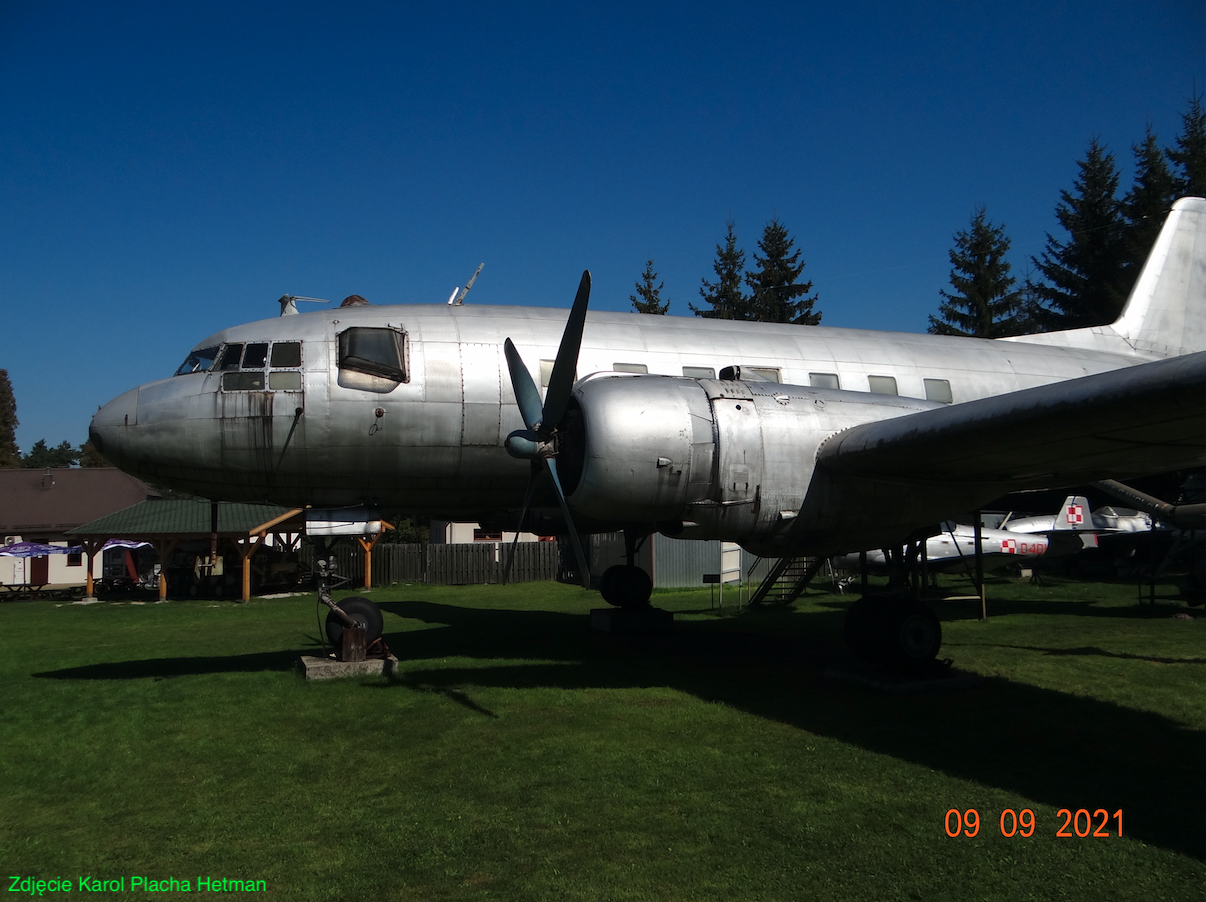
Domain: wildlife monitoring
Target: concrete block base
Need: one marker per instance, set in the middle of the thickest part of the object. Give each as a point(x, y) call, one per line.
point(644, 622)
point(882, 679)
point(316, 668)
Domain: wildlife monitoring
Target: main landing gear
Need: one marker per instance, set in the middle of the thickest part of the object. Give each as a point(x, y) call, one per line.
point(353, 625)
point(626, 585)
point(895, 628)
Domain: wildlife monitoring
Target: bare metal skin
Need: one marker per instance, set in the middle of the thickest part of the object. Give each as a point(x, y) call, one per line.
point(796, 463)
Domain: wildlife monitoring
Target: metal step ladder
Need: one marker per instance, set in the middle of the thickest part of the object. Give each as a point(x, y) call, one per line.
point(787, 579)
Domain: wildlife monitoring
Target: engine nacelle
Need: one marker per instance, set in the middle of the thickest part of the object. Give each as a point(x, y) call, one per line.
point(704, 458)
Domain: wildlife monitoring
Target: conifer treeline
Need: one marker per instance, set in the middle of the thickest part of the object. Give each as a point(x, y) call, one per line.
point(1083, 280)
point(776, 294)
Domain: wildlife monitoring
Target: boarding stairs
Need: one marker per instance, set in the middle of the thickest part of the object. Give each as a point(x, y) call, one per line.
point(787, 579)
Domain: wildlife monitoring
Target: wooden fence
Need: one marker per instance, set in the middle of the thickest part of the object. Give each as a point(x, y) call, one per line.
point(445, 565)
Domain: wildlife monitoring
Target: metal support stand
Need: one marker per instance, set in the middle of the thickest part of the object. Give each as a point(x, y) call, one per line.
point(980, 568)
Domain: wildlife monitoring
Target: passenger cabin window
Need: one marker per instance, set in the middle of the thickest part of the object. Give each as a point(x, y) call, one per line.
point(699, 372)
point(882, 385)
point(751, 373)
point(823, 380)
point(768, 373)
point(372, 359)
point(630, 368)
point(198, 361)
point(938, 390)
point(546, 373)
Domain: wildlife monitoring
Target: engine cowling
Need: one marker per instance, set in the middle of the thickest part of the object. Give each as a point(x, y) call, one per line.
point(704, 458)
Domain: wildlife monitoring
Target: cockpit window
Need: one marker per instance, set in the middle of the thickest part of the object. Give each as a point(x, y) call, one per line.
point(198, 361)
point(255, 356)
point(374, 352)
point(230, 357)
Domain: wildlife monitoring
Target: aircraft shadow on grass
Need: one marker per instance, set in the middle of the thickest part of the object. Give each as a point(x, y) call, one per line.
point(1059, 749)
point(162, 668)
point(1062, 750)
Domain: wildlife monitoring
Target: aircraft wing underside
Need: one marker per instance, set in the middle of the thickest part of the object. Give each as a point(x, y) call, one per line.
point(926, 466)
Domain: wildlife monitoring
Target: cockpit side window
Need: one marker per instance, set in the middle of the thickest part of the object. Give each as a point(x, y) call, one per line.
point(286, 353)
point(198, 361)
point(376, 353)
point(255, 356)
point(230, 357)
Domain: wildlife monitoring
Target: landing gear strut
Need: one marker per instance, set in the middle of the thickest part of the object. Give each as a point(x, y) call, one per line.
point(351, 613)
point(896, 629)
point(627, 585)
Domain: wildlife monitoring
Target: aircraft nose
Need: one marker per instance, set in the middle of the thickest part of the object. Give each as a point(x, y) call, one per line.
point(108, 426)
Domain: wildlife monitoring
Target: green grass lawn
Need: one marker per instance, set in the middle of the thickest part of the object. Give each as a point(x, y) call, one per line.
point(519, 756)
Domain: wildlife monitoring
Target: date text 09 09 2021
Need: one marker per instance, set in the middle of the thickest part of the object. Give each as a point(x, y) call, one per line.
point(1075, 823)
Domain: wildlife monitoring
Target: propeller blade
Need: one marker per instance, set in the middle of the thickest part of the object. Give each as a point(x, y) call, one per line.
point(527, 499)
point(569, 522)
point(526, 394)
point(561, 382)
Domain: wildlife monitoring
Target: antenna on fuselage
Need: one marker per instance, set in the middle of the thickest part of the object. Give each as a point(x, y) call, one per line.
point(288, 303)
point(454, 299)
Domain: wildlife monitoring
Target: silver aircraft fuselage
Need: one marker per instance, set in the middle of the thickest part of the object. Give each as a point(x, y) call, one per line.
point(314, 434)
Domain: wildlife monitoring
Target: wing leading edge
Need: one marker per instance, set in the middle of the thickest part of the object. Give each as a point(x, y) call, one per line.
point(926, 466)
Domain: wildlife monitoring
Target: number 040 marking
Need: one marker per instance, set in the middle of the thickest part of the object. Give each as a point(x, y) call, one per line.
point(1081, 822)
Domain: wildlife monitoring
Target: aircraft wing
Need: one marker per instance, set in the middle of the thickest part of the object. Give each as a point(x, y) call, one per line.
point(922, 467)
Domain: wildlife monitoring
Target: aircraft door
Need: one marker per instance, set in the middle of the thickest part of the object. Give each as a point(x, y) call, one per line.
point(481, 393)
point(739, 450)
point(258, 408)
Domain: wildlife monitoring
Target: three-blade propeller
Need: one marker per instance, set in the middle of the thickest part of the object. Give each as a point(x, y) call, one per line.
point(539, 442)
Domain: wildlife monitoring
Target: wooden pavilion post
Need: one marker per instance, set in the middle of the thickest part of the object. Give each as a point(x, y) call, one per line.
point(246, 549)
point(91, 547)
point(254, 539)
point(164, 548)
point(368, 552)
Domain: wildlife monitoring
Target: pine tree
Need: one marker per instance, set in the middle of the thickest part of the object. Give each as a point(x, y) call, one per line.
point(650, 298)
point(90, 457)
point(40, 455)
point(1190, 153)
point(10, 454)
point(984, 302)
point(1085, 278)
point(777, 296)
point(1145, 206)
point(724, 296)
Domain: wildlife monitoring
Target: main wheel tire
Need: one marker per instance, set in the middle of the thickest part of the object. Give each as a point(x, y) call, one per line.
point(916, 636)
point(626, 587)
point(364, 612)
point(635, 588)
point(607, 584)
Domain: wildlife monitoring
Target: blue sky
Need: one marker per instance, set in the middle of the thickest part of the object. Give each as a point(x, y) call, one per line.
point(167, 169)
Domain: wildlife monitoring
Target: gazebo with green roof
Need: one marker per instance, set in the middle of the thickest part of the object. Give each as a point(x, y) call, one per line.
point(166, 522)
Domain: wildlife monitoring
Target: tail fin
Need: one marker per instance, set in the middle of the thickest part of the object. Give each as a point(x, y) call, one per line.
point(1074, 515)
point(1165, 315)
point(1077, 517)
point(1166, 312)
